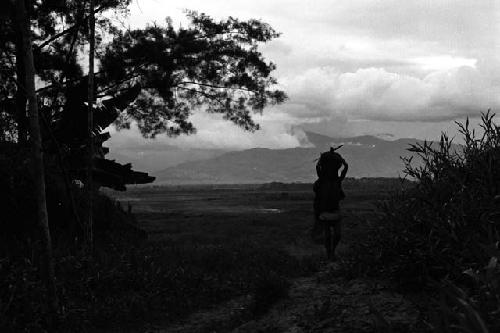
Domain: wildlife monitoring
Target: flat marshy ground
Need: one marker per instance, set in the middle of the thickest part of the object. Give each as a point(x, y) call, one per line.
point(270, 215)
point(223, 256)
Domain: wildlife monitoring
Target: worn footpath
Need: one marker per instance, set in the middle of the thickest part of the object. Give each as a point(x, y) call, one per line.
point(325, 302)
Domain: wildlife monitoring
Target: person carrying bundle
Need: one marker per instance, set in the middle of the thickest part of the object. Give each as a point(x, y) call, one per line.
point(327, 196)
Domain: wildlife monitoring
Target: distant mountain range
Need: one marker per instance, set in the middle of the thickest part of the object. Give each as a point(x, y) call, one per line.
point(148, 159)
point(368, 156)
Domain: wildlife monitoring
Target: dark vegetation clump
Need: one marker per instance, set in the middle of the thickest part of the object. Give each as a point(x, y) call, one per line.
point(441, 236)
point(23, 303)
point(66, 205)
point(151, 282)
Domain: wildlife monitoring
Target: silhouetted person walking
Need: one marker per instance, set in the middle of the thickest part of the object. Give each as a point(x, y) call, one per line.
point(328, 194)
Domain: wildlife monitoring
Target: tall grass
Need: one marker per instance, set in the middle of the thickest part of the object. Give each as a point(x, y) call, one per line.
point(444, 230)
point(161, 281)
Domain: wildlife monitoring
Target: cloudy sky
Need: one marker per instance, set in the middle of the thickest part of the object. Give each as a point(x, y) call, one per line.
point(353, 67)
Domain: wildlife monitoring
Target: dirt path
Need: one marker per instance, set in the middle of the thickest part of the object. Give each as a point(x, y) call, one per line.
point(325, 302)
point(328, 303)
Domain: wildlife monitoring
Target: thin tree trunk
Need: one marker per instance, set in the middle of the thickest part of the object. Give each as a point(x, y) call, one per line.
point(37, 152)
point(76, 222)
point(90, 231)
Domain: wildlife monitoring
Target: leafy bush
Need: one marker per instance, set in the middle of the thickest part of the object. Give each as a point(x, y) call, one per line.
point(445, 228)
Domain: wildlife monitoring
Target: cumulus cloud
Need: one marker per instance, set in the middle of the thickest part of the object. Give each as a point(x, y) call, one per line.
point(354, 67)
point(377, 94)
point(278, 131)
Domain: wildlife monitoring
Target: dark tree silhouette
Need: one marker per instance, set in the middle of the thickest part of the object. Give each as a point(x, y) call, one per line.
point(212, 64)
point(156, 76)
point(163, 73)
point(58, 32)
point(28, 85)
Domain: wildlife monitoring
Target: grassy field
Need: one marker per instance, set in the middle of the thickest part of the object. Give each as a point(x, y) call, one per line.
point(276, 215)
point(214, 243)
point(206, 246)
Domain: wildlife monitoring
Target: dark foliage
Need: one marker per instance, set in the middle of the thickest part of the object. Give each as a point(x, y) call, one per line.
point(154, 77)
point(59, 32)
point(19, 230)
point(445, 228)
point(212, 64)
point(163, 281)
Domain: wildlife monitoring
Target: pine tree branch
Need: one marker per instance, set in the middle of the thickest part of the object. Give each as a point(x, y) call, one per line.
point(65, 31)
point(214, 86)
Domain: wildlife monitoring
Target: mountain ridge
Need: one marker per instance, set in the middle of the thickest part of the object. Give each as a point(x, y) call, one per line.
point(368, 156)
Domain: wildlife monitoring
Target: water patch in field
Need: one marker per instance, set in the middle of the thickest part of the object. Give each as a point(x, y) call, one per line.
point(269, 210)
point(238, 210)
point(248, 210)
point(124, 199)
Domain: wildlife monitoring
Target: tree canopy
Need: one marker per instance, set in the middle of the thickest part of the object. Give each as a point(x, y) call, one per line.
point(211, 64)
point(156, 76)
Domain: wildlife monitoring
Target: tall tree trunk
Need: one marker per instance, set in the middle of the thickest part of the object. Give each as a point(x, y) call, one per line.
point(23, 24)
point(90, 145)
point(20, 98)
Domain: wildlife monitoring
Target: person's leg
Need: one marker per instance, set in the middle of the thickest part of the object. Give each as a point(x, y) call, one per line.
point(337, 235)
point(328, 239)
